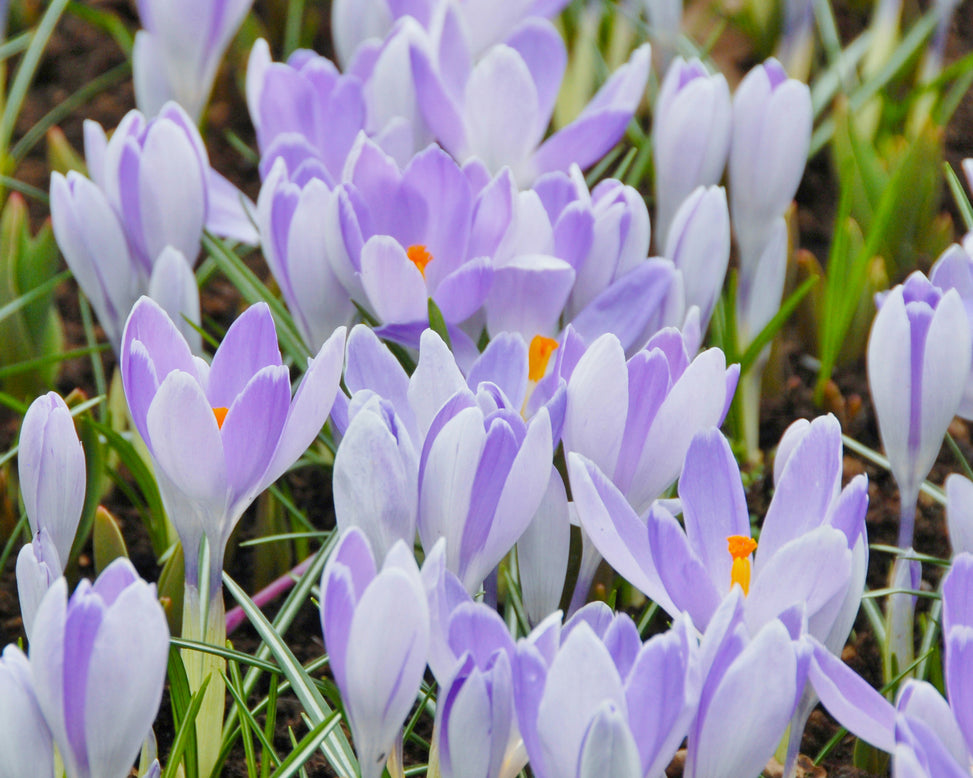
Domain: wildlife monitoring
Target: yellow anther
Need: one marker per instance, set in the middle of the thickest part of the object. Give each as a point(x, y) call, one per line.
point(420, 257)
point(539, 355)
point(220, 414)
point(741, 547)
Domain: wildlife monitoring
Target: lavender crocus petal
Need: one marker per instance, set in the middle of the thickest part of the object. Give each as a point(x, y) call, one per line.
point(701, 393)
point(804, 489)
point(789, 441)
point(602, 123)
point(817, 567)
point(719, 751)
point(375, 478)
point(542, 49)
point(190, 451)
point(713, 504)
point(958, 639)
point(354, 22)
point(855, 704)
point(891, 382)
point(38, 567)
point(395, 287)
point(173, 286)
point(229, 211)
point(370, 365)
point(623, 642)
point(503, 362)
point(309, 408)
point(497, 136)
point(149, 76)
point(381, 687)
point(608, 747)
point(661, 696)
point(762, 283)
point(25, 739)
point(465, 708)
point(580, 680)
point(477, 629)
point(435, 380)
point(628, 304)
point(93, 242)
point(597, 404)
point(692, 585)
point(249, 345)
point(920, 743)
point(921, 701)
point(528, 294)
point(461, 294)
point(615, 529)
point(51, 467)
point(439, 108)
point(542, 552)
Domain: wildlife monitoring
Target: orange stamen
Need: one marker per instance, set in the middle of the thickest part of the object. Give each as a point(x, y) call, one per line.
point(220, 414)
point(420, 257)
point(741, 547)
point(539, 355)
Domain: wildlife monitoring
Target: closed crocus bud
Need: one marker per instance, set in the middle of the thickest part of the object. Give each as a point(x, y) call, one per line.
point(99, 663)
point(768, 152)
point(38, 567)
point(376, 475)
point(173, 286)
point(177, 55)
point(52, 472)
point(376, 630)
point(699, 246)
point(25, 738)
point(919, 354)
point(691, 136)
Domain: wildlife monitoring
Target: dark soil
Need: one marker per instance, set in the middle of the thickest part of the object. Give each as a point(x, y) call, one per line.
point(78, 52)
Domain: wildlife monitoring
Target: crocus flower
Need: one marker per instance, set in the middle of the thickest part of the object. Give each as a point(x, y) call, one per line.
point(768, 152)
point(465, 105)
point(221, 434)
point(635, 419)
point(736, 729)
point(592, 695)
point(376, 630)
point(919, 353)
point(303, 110)
point(25, 738)
point(51, 466)
point(177, 53)
point(151, 189)
point(691, 136)
point(99, 663)
point(483, 472)
point(959, 513)
point(376, 476)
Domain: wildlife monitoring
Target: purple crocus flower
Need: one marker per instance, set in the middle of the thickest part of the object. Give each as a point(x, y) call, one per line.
point(99, 663)
point(691, 136)
point(376, 630)
point(483, 472)
point(635, 419)
point(376, 475)
point(812, 537)
point(465, 104)
point(919, 353)
point(591, 695)
point(221, 434)
point(303, 110)
point(177, 55)
point(736, 730)
point(768, 152)
point(151, 191)
point(52, 473)
point(25, 738)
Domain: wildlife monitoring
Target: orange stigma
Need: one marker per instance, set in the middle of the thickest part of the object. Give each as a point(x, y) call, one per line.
point(220, 414)
point(539, 355)
point(741, 547)
point(420, 257)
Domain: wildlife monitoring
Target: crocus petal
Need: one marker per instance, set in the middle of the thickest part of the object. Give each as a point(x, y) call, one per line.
point(959, 513)
point(25, 739)
point(542, 552)
point(608, 747)
point(249, 345)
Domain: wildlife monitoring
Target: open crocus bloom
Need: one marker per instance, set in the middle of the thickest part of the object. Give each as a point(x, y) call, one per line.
point(220, 434)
